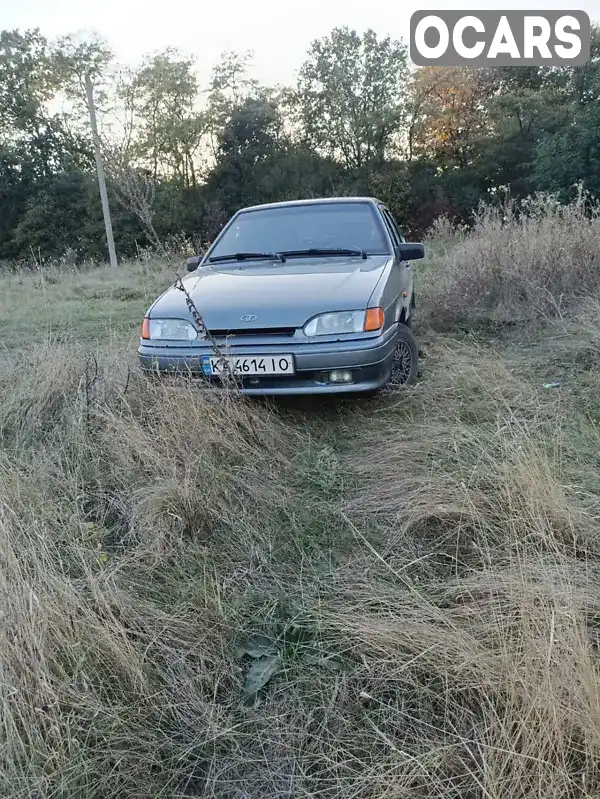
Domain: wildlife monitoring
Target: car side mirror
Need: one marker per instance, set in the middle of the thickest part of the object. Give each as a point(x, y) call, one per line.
point(193, 262)
point(411, 251)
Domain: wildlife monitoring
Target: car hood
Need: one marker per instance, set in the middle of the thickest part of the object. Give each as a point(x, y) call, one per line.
point(278, 295)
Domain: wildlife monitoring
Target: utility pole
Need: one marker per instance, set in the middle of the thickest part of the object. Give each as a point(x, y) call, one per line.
point(112, 253)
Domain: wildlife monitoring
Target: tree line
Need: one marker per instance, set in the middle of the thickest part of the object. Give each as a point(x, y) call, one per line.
point(182, 154)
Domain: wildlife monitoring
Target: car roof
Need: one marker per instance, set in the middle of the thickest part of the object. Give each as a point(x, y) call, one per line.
point(312, 201)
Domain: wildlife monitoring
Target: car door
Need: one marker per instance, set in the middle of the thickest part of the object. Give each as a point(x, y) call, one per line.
point(402, 274)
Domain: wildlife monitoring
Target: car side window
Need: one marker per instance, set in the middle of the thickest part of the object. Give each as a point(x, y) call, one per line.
point(393, 225)
point(390, 227)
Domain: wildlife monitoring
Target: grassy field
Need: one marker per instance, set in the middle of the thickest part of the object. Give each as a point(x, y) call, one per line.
point(96, 306)
point(211, 597)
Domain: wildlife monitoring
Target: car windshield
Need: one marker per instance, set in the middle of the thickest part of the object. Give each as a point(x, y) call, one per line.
point(292, 228)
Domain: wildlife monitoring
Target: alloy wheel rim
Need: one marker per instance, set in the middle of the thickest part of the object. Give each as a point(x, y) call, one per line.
point(402, 365)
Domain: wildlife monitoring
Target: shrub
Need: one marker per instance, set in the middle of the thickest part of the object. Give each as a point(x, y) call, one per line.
point(516, 263)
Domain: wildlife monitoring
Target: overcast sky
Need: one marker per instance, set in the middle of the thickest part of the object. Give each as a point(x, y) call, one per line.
point(278, 31)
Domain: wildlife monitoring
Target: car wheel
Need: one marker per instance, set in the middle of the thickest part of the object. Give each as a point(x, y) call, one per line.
point(405, 365)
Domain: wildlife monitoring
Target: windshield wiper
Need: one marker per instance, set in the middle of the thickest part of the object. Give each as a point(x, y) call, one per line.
point(244, 256)
point(324, 251)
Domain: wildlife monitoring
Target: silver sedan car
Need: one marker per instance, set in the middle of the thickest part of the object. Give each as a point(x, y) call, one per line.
point(299, 297)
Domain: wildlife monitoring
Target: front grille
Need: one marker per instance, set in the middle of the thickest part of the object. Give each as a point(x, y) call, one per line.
point(254, 331)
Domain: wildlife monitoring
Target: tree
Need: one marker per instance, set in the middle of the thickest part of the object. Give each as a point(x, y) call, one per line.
point(351, 96)
point(135, 189)
point(17, 184)
point(571, 154)
point(542, 126)
point(229, 86)
point(71, 61)
point(249, 139)
point(257, 161)
point(28, 82)
point(161, 100)
point(449, 115)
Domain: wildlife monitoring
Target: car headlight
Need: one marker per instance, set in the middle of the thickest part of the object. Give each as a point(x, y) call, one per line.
point(330, 324)
point(168, 330)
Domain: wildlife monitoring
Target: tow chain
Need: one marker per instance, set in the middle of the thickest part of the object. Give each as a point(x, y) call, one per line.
point(227, 376)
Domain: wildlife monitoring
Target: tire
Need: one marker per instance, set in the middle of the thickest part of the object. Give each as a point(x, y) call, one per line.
point(405, 366)
point(409, 322)
point(413, 305)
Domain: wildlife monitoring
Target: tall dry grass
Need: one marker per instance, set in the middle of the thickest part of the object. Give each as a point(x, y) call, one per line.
point(129, 522)
point(537, 259)
point(477, 596)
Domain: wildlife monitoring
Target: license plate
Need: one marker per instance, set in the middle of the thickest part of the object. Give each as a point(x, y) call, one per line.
point(250, 365)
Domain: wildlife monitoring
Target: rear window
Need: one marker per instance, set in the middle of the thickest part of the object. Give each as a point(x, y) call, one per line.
point(301, 227)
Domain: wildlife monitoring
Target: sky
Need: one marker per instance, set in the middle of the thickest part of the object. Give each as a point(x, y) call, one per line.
point(278, 32)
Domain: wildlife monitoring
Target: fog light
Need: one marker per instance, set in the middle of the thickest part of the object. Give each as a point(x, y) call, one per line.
point(340, 376)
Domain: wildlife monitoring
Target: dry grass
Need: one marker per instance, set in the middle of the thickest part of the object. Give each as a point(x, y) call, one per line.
point(96, 305)
point(421, 572)
point(130, 523)
point(517, 266)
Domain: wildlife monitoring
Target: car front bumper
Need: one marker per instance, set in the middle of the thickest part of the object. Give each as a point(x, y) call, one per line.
point(369, 360)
